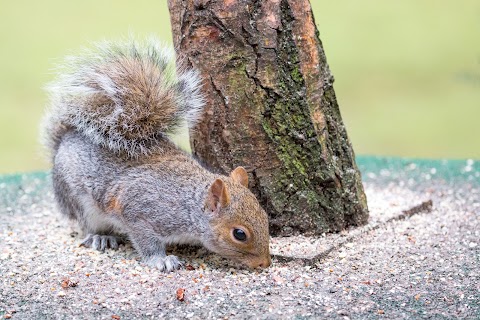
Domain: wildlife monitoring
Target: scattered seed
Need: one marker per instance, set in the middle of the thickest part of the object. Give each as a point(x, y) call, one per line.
point(181, 294)
point(68, 283)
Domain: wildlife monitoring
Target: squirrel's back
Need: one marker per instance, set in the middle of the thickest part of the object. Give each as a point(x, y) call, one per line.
point(124, 96)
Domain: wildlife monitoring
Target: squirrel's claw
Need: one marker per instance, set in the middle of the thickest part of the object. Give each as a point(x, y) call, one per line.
point(167, 263)
point(101, 242)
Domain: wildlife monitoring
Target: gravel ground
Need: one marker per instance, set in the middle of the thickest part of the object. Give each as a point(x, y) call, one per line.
point(424, 266)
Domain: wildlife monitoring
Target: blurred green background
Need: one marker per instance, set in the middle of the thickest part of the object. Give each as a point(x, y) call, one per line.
point(407, 72)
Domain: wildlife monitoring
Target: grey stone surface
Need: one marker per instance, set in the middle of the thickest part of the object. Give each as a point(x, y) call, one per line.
point(424, 266)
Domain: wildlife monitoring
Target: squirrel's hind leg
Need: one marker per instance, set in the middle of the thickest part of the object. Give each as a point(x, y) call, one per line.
point(98, 227)
point(64, 196)
point(102, 231)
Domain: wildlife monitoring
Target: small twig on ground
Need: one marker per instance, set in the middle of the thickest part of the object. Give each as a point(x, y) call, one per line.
point(424, 207)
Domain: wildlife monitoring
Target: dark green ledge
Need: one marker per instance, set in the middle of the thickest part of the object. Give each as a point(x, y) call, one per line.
point(27, 188)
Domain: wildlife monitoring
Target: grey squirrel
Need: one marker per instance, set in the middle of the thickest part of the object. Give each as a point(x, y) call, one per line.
point(116, 172)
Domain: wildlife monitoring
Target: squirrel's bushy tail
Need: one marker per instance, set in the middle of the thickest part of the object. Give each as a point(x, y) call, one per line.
point(123, 96)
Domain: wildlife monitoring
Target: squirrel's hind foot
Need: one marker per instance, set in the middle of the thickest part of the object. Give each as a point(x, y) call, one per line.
point(167, 263)
point(101, 242)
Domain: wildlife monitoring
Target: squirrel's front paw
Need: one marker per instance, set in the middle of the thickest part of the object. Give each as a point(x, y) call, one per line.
point(101, 242)
point(167, 263)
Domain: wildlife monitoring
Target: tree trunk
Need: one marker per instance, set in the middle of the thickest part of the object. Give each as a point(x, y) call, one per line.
point(271, 108)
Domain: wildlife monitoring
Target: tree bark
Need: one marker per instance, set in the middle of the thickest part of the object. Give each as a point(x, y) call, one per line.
point(271, 108)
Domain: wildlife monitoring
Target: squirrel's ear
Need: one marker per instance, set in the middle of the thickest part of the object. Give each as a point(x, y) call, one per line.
point(218, 196)
point(240, 175)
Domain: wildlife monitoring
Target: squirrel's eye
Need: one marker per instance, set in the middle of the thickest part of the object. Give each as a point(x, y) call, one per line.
point(239, 234)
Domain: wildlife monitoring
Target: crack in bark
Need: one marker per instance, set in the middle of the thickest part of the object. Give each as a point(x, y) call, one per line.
point(220, 93)
point(182, 24)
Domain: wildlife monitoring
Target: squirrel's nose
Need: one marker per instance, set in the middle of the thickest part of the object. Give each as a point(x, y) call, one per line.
point(263, 263)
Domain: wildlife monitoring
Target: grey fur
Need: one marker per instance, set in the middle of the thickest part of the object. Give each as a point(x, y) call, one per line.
point(122, 95)
point(158, 201)
point(116, 172)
